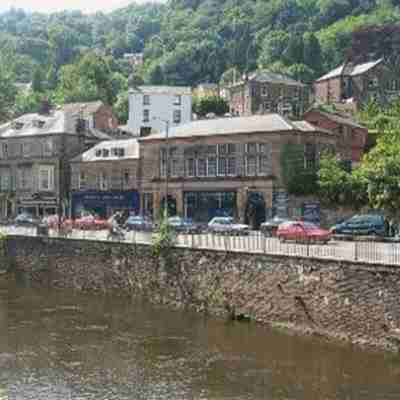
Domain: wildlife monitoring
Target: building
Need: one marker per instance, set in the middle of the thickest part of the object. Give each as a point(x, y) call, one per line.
point(151, 106)
point(106, 178)
point(222, 166)
point(34, 160)
point(352, 137)
point(266, 92)
point(351, 85)
point(206, 90)
point(98, 116)
point(134, 59)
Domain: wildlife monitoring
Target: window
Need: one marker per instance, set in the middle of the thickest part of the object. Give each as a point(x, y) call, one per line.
point(264, 167)
point(37, 123)
point(177, 117)
point(163, 162)
point(211, 166)
point(25, 149)
point(232, 166)
point(373, 83)
point(251, 148)
point(24, 181)
point(4, 148)
point(98, 152)
point(222, 166)
point(48, 147)
point(191, 167)
point(309, 156)
point(175, 167)
point(126, 178)
point(103, 183)
point(251, 165)
point(46, 178)
point(146, 100)
point(105, 152)
point(5, 179)
point(222, 149)
point(201, 167)
point(177, 100)
point(146, 115)
point(82, 180)
point(263, 148)
point(264, 90)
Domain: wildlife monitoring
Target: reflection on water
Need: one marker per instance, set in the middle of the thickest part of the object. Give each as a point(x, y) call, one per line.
point(58, 345)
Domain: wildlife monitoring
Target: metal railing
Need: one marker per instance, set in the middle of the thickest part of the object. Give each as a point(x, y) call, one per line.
point(371, 252)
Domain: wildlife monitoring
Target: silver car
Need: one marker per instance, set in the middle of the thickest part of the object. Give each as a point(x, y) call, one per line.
point(227, 225)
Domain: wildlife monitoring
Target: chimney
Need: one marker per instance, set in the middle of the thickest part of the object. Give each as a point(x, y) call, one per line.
point(45, 107)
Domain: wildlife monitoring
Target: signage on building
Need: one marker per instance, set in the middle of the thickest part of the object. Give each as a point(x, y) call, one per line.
point(312, 212)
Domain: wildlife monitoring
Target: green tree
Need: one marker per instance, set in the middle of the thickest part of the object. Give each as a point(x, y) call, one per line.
point(8, 89)
point(121, 107)
point(210, 104)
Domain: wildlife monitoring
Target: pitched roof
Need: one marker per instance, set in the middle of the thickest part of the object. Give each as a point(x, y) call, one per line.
point(271, 77)
point(340, 119)
point(171, 90)
point(87, 108)
point(268, 123)
point(131, 147)
point(55, 123)
point(350, 70)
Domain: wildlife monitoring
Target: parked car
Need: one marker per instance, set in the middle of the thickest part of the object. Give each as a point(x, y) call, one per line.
point(138, 223)
point(300, 231)
point(227, 225)
point(26, 219)
point(367, 224)
point(270, 227)
point(183, 225)
point(51, 221)
point(91, 222)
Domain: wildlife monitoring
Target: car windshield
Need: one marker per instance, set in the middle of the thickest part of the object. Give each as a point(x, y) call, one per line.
point(222, 221)
point(365, 219)
point(308, 226)
point(135, 219)
point(175, 220)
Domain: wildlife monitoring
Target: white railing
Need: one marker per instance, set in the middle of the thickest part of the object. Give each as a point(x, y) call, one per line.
point(372, 252)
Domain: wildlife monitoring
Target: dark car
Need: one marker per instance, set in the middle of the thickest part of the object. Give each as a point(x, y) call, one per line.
point(367, 224)
point(138, 223)
point(183, 225)
point(269, 228)
point(25, 219)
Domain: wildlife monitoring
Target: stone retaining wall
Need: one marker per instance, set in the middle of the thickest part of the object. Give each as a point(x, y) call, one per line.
point(347, 301)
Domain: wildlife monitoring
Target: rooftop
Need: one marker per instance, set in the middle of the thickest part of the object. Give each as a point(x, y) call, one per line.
point(268, 123)
point(271, 77)
point(86, 108)
point(350, 70)
point(171, 90)
point(130, 150)
point(340, 119)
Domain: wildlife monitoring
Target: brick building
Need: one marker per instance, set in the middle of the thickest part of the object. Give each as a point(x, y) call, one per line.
point(267, 92)
point(35, 150)
point(217, 166)
point(106, 178)
point(352, 85)
point(352, 137)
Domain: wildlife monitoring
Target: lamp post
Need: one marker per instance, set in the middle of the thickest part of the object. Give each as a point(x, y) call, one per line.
point(166, 122)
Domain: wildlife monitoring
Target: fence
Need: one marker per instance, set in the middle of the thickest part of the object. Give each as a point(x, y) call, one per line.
point(358, 251)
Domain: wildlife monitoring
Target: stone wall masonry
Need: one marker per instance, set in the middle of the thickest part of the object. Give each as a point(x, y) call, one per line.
point(347, 301)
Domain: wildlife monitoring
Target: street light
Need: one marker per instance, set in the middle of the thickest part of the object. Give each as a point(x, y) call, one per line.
point(166, 122)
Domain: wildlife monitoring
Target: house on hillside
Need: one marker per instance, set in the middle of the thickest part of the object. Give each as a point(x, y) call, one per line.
point(264, 92)
point(35, 150)
point(350, 85)
point(150, 107)
point(222, 166)
point(351, 136)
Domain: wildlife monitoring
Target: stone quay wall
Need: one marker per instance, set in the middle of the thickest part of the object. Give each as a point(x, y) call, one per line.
point(347, 301)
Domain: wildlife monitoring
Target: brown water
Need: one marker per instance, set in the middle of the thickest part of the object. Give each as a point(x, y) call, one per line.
point(59, 345)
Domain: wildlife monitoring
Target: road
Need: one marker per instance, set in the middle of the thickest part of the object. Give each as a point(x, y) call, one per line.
point(371, 252)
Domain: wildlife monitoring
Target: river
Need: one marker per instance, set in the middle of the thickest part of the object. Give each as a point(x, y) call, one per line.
point(63, 345)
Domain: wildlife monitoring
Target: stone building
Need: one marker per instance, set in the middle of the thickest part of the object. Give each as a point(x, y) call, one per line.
point(106, 178)
point(352, 137)
point(219, 166)
point(266, 92)
point(352, 85)
point(206, 90)
point(35, 150)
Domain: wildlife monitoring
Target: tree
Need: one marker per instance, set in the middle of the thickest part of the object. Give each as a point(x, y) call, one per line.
point(8, 90)
point(121, 107)
point(210, 104)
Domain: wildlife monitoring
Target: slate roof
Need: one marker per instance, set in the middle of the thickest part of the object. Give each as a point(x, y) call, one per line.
point(171, 90)
point(131, 147)
point(55, 123)
point(347, 70)
point(338, 118)
point(268, 123)
point(270, 77)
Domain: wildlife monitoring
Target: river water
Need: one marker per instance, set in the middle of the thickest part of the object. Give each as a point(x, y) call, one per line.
point(61, 345)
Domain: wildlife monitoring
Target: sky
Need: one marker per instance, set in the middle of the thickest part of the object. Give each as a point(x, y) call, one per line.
point(58, 5)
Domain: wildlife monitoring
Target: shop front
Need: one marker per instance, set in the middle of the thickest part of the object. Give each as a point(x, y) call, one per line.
point(105, 203)
point(37, 206)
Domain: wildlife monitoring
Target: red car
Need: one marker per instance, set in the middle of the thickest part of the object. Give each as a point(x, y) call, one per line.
point(90, 222)
point(305, 232)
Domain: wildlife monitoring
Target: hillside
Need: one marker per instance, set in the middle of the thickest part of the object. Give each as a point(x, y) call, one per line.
point(184, 41)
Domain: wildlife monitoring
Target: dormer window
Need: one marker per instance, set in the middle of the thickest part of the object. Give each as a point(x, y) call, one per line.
point(17, 125)
point(37, 123)
point(106, 152)
point(98, 153)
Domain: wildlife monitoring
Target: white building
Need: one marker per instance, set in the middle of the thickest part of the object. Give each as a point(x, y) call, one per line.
point(150, 106)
